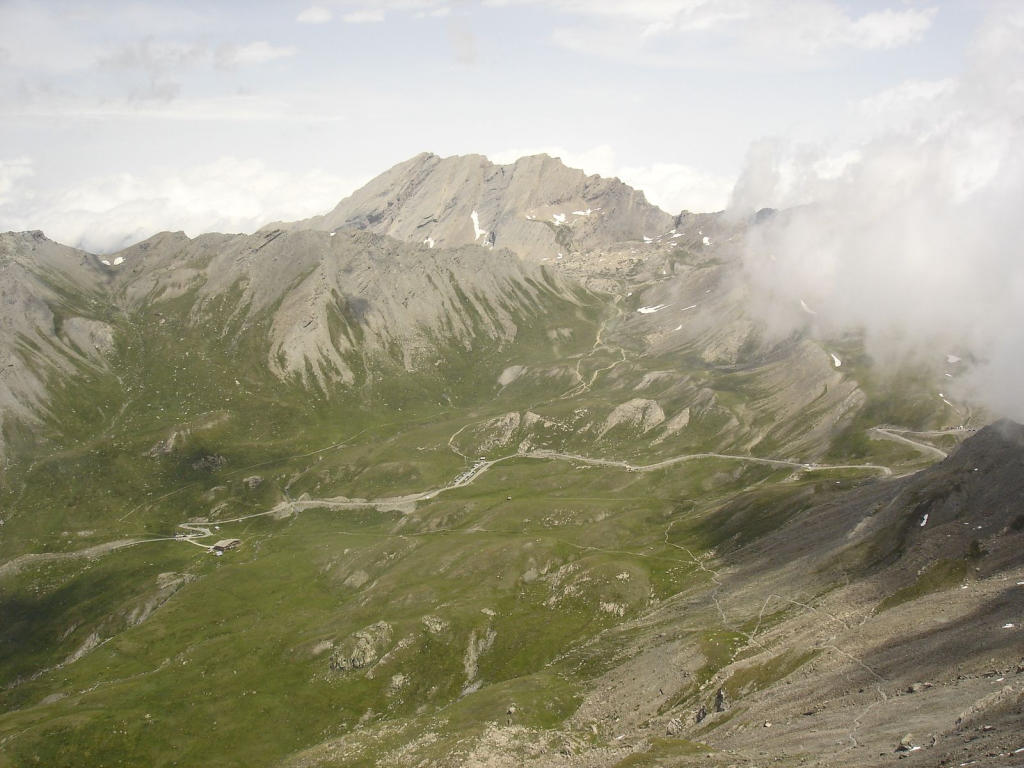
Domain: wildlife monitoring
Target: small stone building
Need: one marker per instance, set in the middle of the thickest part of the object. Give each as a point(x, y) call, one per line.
point(226, 544)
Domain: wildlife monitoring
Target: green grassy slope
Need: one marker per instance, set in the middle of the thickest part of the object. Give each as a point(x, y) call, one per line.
point(330, 622)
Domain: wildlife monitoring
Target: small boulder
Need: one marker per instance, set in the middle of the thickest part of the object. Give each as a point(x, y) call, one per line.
point(674, 727)
point(209, 463)
point(906, 744)
point(721, 701)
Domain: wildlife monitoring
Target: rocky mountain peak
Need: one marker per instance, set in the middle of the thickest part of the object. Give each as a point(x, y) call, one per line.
point(536, 207)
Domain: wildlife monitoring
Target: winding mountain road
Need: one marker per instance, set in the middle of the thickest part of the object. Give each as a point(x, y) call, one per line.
point(891, 433)
point(194, 531)
point(291, 506)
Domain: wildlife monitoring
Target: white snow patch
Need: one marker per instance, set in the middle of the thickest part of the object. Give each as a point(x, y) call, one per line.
point(652, 310)
point(678, 327)
point(706, 240)
point(948, 375)
point(692, 306)
point(582, 213)
point(104, 261)
point(943, 398)
point(429, 242)
point(806, 309)
point(558, 217)
point(648, 240)
point(677, 234)
point(331, 234)
point(476, 226)
point(924, 520)
point(835, 360)
point(1008, 625)
point(118, 261)
point(952, 359)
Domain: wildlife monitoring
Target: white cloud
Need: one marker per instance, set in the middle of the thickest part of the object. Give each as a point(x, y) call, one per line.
point(49, 38)
point(418, 8)
point(675, 187)
point(261, 51)
point(366, 16)
point(153, 69)
point(11, 171)
point(600, 159)
point(671, 186)
point(914, 237)
point(728, 32)
point(36, 39)
point(293, 107)
point(910, 95)
point(315, 14)
point(109, 212)
point(889, 28)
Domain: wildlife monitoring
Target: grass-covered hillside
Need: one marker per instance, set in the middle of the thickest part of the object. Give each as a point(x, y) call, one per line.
point(470, 498)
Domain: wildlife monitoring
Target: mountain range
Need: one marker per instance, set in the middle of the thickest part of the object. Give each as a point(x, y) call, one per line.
point(489, 465)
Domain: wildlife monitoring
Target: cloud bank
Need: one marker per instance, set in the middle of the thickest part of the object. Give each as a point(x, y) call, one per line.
point(667, 31)
point(915, 237)
point(106, 213)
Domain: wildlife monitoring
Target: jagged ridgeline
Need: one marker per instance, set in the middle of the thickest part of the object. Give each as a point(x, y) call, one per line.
point(536, 206)
point(490, 465)
point(304, 321)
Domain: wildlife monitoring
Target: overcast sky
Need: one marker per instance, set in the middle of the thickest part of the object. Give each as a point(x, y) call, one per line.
point(120, 119)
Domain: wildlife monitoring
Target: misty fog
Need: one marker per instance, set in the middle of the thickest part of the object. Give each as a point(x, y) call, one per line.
point(914, 235)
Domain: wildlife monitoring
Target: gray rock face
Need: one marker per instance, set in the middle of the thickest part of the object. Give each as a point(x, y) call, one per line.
point(333, 295)
point(36, 276)
point(536, 207)
point(363, 648)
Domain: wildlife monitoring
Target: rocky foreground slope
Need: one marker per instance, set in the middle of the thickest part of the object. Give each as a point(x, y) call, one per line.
point(859, 626)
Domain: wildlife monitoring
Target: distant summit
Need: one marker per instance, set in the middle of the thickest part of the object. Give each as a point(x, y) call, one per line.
point(536, 207)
